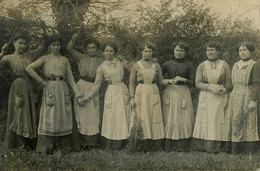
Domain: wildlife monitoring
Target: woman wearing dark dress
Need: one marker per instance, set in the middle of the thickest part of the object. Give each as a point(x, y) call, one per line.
point(240, 126)
point(22, 118)
point(177, 103)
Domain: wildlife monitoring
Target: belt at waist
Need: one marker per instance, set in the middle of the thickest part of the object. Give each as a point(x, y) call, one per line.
point(219, 83)
point(142, 82)
point(110, 82)
point(88, 79)
point(58, 78)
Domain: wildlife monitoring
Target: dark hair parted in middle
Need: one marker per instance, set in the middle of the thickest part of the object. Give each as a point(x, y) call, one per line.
point(182, 45)
point(111, 44)
point(214, 44)
point(54, 38)
point(249, 45)
point(21, 36)
point(147, 44)
point(92, 41)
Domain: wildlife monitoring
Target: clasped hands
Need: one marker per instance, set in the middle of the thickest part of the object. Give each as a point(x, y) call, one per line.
point(82, 100)
point(176, 80)
point(217, 89)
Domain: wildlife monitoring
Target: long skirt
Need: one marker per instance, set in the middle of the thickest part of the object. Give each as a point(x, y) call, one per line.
point(88, 117)
point(241, 126)
point(116, 117)
point(148, 108)
point(56, 112)
point(22, 118)
point(178, 117)
point(207, 133)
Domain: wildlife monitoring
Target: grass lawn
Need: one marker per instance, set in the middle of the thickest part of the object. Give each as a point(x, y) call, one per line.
point(123, 160)
point(97, 159)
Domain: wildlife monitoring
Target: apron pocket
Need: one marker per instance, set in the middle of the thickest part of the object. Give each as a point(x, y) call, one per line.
point(126, 99)
point(184, 103)
point(137, 94)
point(67, 98)
point(203, 100)
point(19, 101)
point(156, 96)
point(166, 100)
point(36, 98)
point(96, 100)
point(49, 100)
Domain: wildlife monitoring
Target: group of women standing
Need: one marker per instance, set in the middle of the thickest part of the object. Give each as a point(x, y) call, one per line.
point(226, 118)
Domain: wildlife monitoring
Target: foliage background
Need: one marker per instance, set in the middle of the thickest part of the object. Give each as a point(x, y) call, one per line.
point(174, 20)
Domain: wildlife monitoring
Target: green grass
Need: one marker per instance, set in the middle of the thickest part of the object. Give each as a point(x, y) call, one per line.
point(97, 159)
point(122, 160)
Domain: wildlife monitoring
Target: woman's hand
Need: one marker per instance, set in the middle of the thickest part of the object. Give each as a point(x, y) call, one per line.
point(179, 79)
point(5, 47)
point(213, 88)
point(222, 90)
point(251, 106)
point(80, 101)
point(86, 99)
point(132, 102)
point(76, 35)
point(171, 81)
point(44, 83)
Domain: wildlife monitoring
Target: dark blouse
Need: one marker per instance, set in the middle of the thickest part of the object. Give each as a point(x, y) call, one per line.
point(182, 68)
point(255, 81)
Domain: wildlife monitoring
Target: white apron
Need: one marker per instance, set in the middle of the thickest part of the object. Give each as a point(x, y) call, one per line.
point(210, 112)
point(148, 105)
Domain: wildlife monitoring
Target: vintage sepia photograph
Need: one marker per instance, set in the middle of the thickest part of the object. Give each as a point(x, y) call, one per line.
point(129, 84)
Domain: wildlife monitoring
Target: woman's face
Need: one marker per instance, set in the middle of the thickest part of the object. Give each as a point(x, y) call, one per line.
point(20, 45)
point(179, 53)
point(109, 53)
point(244, 53)
point(91, 49)
point(212, 53)
point(147, 53)
point(55, 47)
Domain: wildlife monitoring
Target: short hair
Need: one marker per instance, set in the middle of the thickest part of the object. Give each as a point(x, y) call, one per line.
point(111, 44)
point(182, 45)
point(147, 44)
point(93, 41)
point(21, 36)
point(54, 38)
point(214, 44)
point(249, 45)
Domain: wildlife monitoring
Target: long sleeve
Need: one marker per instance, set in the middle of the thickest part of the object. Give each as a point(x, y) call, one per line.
point(199, 79)
point(228, 82)
point(98, 80)
point(190, 80)
point(4, 62)
point(132, 80)
point(160, 75)
point(164, 70)
point(70, 48)
point(30, 68)
point(255, 81)
point(71, 80)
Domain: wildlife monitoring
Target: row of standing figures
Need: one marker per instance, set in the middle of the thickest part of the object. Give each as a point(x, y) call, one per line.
point(226, 117)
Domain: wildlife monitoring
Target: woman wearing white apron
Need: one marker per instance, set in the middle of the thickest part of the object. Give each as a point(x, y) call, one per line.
point(240, 127)
point(213, 80)
point(115, 123)
point(177, 103)
point(88, 115)
point(146, 98)
point(55, 123)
